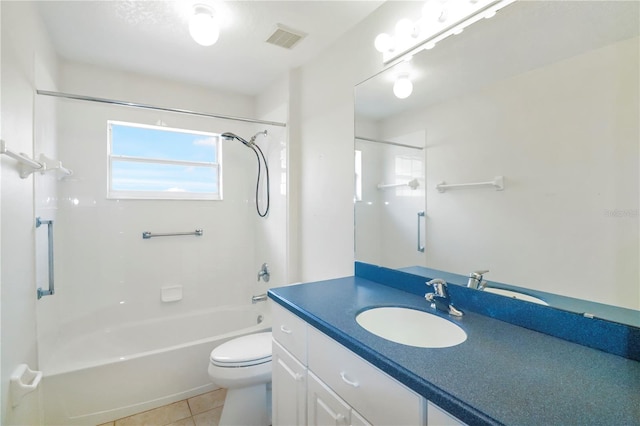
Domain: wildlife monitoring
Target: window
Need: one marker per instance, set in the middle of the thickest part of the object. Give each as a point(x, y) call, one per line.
point(151, 162)
point(408, 168)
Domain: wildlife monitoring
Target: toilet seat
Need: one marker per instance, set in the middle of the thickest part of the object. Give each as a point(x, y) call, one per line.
point(245, 351)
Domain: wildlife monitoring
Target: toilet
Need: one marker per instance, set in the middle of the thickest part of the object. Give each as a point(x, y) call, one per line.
point(243, 366)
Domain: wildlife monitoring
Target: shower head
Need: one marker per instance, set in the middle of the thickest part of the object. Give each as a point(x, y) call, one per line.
point(231, 136)
point(260, 157)
point(228, 136)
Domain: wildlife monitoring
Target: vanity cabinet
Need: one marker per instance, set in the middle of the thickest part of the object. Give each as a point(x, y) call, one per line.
point(319, 382)
point(437, 416)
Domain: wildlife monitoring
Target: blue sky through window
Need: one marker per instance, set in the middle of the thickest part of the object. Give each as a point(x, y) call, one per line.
point(133, 176)
point(152, 163)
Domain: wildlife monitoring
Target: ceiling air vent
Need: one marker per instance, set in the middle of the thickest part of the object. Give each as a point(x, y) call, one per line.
point(285, 37)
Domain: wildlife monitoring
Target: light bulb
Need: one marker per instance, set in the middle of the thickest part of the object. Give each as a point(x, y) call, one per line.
point(403, 87)
point(203, 26)
point(383, 43)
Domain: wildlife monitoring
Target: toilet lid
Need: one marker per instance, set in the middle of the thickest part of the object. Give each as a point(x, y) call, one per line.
point(243, 351)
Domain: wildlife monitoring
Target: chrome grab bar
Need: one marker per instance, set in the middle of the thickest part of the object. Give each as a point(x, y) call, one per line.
point(49, 224)
point(420, 246)
point(146, 235)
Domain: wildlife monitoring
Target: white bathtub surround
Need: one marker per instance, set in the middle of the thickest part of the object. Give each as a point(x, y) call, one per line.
point(98, 376)
point(133, 320)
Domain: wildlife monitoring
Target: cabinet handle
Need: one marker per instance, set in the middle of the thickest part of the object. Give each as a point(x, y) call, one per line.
point(296, 376)
point(343, 375)
point(285, 329)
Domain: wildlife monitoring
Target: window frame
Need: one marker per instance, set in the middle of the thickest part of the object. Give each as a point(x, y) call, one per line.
point(162, 195)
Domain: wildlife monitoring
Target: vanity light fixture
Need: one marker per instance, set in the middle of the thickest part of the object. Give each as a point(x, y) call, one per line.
point(440, 19)
point(203, 27)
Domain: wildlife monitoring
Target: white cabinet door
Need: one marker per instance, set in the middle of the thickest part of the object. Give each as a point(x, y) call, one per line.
point(324, 407)
point(436, 416)
point(358, 420)
point(289, 398)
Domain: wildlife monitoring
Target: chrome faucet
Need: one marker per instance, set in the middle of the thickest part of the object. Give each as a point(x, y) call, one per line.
point(264, 273)
point(440, 297)
point(476, 280)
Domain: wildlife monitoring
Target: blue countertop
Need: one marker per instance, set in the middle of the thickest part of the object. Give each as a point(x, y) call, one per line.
point(502, 373)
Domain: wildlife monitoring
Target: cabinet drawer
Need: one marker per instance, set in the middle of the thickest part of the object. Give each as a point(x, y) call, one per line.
point(436, 416)
point(381, 399)
point(290, 331)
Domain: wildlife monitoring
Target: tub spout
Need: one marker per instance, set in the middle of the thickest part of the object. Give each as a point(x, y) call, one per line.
point(259, 298)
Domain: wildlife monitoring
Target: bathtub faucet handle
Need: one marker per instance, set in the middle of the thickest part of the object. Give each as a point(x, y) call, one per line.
point(264, 273)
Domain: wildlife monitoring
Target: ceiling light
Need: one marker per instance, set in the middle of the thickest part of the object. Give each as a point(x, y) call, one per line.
point(203, 26)
point(403, 87)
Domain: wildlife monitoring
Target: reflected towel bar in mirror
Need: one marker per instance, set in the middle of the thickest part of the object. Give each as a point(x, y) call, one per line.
point(497, 182)
point(413, 184)
point(146, 235)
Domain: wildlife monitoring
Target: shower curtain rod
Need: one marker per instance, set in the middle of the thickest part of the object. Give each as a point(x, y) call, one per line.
point(155, 108)
point(389, 143)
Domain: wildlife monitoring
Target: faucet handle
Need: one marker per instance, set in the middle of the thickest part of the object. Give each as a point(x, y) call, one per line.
point(264, 273)
point(476, 281)
point(478, 274)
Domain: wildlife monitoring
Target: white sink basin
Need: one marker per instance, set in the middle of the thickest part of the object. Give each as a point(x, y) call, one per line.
point(515, 295)
point(411, 327)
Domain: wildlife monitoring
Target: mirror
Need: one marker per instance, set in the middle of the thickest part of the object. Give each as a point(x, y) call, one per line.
point(544, 95)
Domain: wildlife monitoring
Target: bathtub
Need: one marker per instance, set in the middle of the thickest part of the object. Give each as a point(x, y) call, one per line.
point(104, 375)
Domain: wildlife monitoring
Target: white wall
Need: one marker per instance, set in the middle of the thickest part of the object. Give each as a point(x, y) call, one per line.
point(272, 105)
point(27, 60)
point(326, 131)
point(565, 136)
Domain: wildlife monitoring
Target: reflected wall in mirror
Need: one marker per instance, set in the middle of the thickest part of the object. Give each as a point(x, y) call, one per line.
point(545, 94)
point(390, 195)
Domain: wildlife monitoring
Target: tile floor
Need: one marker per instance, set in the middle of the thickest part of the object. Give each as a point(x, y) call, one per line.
point(201, 410)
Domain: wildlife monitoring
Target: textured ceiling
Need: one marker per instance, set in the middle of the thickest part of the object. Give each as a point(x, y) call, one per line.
point(152, 37)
